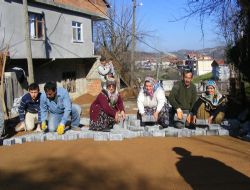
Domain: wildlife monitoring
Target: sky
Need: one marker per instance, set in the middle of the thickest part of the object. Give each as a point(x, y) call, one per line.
point(157, 16)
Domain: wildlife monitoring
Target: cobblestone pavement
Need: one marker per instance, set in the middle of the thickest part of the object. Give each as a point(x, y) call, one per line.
point(129, 128)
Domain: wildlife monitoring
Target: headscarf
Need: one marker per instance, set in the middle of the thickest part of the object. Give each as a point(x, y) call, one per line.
point(155, 85)
point(214, 99)
point(113, 97)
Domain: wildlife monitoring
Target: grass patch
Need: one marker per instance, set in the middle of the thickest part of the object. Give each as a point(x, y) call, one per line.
point(200, 78)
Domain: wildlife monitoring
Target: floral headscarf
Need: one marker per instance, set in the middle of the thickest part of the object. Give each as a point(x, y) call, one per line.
point(154, 83)
point(113, 97)
point(217, 95)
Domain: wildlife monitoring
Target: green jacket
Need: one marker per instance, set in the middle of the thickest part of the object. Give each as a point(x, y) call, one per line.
point(183, 97)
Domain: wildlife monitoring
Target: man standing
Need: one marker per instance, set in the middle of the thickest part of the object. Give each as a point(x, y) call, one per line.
point(182, 97)
point(57, 109)
point(29, 109)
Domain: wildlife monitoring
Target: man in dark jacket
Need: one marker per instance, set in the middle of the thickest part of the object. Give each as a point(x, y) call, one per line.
point(182, 97)
point(29, 109)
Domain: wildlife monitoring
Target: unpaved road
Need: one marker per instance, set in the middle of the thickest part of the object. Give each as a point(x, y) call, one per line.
point(142, 163)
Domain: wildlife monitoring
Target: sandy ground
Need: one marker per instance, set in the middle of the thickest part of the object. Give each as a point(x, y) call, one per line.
point(142, 163)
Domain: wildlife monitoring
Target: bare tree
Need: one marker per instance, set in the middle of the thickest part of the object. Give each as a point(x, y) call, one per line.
point(113, 38)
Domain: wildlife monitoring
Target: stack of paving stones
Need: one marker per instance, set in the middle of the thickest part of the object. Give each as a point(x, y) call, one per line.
point(129, 128)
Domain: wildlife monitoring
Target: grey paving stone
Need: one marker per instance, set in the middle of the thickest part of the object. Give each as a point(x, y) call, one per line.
point(135, 123)
point(159, 133)
point(199, 132)
point(148, 118)
point(201, 122)
point(51, 136)
point(115, 137)
point(39, 138)
point(212, 132)
point(84, 121)
point(152, 128)
point(184, 133)
point(132, 117)
point(29, 138)
point(8, 142)
point(101, 136)
point(223, 132)
point(87, 135)
point(19, 140)
point(133, 128)
point(214, 126)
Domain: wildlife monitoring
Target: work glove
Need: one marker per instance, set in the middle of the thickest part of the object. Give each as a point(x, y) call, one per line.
point(60, 129)
point(43, 126)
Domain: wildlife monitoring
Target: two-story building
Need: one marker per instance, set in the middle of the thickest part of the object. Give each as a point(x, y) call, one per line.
point(61, 34)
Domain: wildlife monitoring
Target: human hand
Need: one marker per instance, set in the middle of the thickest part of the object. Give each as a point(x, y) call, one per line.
point(60, 129)
point(179, 114)
point(117, 117)
point(210, 119)
point(194, 119)
point(156, 114)
point(123, 115)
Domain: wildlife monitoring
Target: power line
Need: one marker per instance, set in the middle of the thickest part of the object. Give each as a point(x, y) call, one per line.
point(140, 40)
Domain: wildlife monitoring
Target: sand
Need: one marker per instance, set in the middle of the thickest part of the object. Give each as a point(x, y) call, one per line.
point(141, 163)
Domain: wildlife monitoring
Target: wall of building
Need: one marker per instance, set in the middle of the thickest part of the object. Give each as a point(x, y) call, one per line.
point(204, 66)
point(58, 43)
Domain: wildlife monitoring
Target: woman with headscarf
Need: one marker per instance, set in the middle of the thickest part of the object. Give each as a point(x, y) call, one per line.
point(107, 109)
point(210, 105)
point(152, 101)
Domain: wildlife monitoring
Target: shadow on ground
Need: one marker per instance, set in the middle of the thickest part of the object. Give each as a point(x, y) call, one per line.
point(67, 174)
point(208, 173)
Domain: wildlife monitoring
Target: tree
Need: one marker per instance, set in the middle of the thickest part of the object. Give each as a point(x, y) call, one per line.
point(113, 38)
point(233, 19)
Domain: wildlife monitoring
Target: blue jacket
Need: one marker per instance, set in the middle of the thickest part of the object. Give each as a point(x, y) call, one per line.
point(28, 105)
point(60, 105)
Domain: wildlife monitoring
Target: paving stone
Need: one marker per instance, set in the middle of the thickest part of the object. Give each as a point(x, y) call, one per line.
point(51, 136)
point(29, 138)
point(133, 128)
point(201, 122)
point(132, 117)
point(19, 140)
point(159, 133)
point(152, 128)
point(84, 121)
point(115, 137)
point(39, 138)
point(101, 136)
point(214, 126)
point(136, 123)
point(184, 133)
point(223, 132)
point(148, 118)
point(199, 132)
point(8, 142)
point(212, 132)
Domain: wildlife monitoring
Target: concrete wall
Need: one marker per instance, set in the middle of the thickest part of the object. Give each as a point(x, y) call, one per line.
point(204, 66)
point(58, 43)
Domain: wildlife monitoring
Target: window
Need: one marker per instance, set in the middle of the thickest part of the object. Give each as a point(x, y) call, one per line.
point(36, 22)
point(77, 31)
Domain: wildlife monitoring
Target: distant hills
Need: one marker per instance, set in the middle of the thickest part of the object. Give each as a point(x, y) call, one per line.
point(216, 52)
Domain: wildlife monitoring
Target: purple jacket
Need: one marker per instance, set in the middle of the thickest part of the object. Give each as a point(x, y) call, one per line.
point(102, 103)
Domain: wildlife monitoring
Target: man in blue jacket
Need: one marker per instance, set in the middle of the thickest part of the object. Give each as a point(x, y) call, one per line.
point(29, 109)
point(57, 110)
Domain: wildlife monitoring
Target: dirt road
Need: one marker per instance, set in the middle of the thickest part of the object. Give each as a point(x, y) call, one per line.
point(142, 163)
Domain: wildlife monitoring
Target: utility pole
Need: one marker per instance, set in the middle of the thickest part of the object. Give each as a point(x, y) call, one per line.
point(28, 43)
point(133, 45)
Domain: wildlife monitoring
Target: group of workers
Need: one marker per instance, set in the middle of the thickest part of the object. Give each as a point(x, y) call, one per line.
point(53, 111)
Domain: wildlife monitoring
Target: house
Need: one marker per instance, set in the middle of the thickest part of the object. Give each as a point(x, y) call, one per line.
point(61, 39)
point(220, 71)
